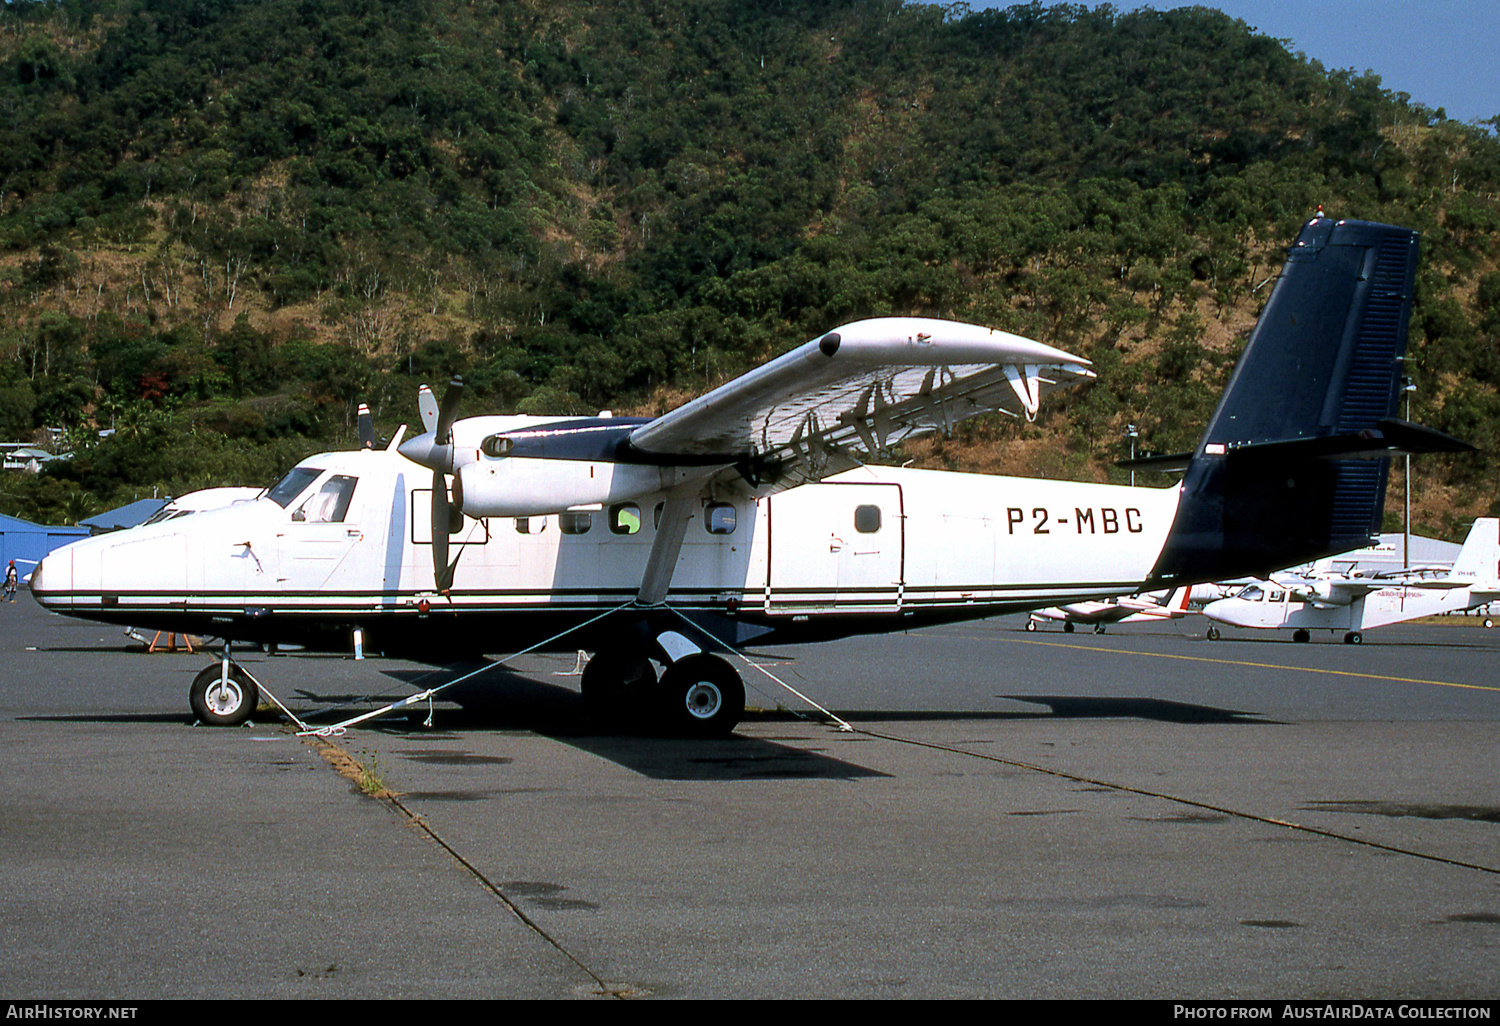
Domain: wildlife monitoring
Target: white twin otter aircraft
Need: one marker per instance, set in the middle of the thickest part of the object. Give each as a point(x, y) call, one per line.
point(748, 513)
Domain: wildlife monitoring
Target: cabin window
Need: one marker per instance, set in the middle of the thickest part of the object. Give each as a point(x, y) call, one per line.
point(1277, 596)
point(575, 523)
point(867, 519)
point(624, 518)
point(720, 518)
point(291, 486)
point(330, 503)
point(531, 525)
point(1252, 593)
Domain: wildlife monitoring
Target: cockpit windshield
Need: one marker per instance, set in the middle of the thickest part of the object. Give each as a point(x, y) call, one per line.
point(329, 504)
point(293, 485)
point(1252, 593)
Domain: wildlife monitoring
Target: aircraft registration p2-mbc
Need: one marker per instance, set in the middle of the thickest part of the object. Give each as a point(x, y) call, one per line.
point(750, 512)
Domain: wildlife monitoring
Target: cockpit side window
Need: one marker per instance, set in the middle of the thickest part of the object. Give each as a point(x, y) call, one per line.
point(330, 503)
point(1252, 593)
point(291, 486)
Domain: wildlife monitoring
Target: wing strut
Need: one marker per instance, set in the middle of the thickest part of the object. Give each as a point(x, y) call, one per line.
point(662, 561)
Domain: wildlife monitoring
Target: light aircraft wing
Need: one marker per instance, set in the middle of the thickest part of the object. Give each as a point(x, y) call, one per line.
point(855, 392)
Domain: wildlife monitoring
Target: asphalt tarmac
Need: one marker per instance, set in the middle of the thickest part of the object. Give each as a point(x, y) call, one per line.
point(1142, 814)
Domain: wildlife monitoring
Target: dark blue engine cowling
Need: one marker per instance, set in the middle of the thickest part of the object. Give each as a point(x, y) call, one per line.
point(1271, 483)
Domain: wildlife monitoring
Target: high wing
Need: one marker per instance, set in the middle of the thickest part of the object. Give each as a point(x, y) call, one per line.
point(1328, 592)
point(855, 392)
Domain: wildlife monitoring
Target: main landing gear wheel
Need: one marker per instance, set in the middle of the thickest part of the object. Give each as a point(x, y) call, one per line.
point(1067, 627)
point(1031, 625)
point(223, 703)
point(616, 689)
point(702, 696)
point(1212, 634)
point(1488, 623)
point(1353, 638)
point(1299, 635)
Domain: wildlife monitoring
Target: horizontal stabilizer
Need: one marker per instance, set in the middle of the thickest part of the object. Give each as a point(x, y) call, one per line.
point(1386, 437)
point(1165, 462)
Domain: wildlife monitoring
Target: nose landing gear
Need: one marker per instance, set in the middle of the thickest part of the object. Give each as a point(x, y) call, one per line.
point(222, 699)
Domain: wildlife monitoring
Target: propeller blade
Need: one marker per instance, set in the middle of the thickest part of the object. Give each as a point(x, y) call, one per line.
point(366, 428)
point(428, 405)
point(441, 522)
point(448, 412)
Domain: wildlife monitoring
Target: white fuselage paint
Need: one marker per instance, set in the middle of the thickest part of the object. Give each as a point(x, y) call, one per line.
point(945, 543)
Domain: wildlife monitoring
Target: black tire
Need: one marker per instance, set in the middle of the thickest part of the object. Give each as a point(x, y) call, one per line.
point(1098, 628)
point(1031, 625)
point(617, 690)
point(226, 706)
point(1067, 627)
point(1488, 623)
point(1300, 636)
point(1212, 634)
point(1353, 638)
point(701, 696)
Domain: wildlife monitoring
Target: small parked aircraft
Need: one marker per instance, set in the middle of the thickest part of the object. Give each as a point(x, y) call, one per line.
point(1353, 603)
point(1152, 607)
point(750, 511)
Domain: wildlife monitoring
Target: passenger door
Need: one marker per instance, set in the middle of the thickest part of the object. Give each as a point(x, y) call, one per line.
point(836, 548)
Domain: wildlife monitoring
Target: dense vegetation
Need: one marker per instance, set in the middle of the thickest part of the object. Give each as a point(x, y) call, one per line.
point(225, 222)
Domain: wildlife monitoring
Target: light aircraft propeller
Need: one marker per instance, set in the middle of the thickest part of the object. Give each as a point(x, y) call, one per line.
point(434, 449)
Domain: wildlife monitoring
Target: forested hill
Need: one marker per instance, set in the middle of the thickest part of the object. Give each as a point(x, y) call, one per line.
point(224, 222)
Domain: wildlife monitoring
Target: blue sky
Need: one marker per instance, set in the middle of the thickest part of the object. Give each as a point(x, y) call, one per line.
point(1444, 53)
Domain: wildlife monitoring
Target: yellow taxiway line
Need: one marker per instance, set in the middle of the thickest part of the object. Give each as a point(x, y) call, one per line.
point(1239, 662)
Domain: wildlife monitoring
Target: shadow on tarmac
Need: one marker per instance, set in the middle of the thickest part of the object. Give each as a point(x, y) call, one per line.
point(507, 701)
point(1161, 710)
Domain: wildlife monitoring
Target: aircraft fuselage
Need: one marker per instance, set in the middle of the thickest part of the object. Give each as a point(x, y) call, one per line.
point(873, 549)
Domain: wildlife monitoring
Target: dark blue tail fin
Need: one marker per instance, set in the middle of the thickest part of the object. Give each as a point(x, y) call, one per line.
point(1293, 465)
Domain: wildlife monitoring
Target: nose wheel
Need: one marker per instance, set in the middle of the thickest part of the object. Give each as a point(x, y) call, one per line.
point(223, 701)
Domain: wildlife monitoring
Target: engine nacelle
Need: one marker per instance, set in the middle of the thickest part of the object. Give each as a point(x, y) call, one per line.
point(525, 487)
point(1322, 593)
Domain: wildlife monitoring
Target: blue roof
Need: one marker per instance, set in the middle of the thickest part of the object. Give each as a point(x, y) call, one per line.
point(129, 515)
point(16, 525)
